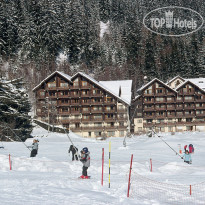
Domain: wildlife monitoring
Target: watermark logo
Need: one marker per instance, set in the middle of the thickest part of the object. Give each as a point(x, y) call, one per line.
point(173, 21)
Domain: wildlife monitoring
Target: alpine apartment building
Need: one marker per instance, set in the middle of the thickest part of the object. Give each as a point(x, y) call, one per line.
point(83, 105)
point(176, 106)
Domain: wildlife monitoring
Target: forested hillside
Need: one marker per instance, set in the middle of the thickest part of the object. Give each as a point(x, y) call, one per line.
point(105, 38)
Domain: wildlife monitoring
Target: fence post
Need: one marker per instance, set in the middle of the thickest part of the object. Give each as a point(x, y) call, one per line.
point(190, 190)
point(128, 190)
point(151, 165)
point(109, 161)
point(102, 165)
point(10, 162)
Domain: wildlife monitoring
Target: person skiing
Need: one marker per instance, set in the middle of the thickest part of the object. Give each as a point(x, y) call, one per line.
point(74, 151)
point(34, 147)
point(85, 159)
point(187, 157)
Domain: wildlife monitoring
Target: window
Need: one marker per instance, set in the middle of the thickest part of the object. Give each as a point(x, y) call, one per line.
point(188, 98)
point(159, 99)
point(159, 91)
point(76, 108)
point(149, 121)
point(64, 85)
point(121, 124)
point(42, 93)
point(121, 133)
point(110, 133)
point(77, 125)
point(89, 134)
point(85, 117)
point(65, 109)
point(52, 93)
point(97, 117)
point(52, 85)
point(84, 83)
point(139, 121)
point(76, 83)
point(84, 92)
point(85, 109)
point(75, 92)
point(76, 101)
point(140, 129)
point(148, 99)
point(64, 93)
point(97, 124)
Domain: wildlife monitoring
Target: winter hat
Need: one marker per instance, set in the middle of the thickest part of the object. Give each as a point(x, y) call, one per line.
point(85, 149)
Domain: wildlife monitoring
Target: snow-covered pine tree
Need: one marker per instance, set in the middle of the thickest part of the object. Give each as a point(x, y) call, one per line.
point(14, 110)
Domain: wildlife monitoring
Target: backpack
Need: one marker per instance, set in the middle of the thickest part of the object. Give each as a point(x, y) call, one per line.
point(185, 146)
point(191, 148)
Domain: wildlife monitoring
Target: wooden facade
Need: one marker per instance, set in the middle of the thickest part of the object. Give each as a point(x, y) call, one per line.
point(82, 105)
point(180, 107)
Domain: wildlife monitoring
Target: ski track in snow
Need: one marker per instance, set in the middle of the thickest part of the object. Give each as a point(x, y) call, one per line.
point(52, 178)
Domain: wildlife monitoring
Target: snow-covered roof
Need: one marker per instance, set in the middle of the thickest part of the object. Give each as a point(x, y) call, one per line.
point(67, 77)
point(200, 82)
point(175, 79)
point(188, 81)
point(155, 79)
point(123, 86)
point(102, 85)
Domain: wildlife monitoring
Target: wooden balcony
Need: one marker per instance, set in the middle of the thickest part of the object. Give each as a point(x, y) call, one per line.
point(40, 97)
point(160, 108)
point(148, 102)
point(110, 103)
point(179, 108)
point(149, 109)
point(171, 108)
point(200, 115)
point(97, 95)
point(96, 103)
point(171, 116)
point(85, 103)
point(63, 104)
point(122, 118)
point(75, 95)
point(109, 111)
point(189, 108)
point(122, 110)
point(149, 116)
point(200, 108)
point(160, 116)
point(85, 111)
point(160, 102)
point(199, 100)
point(62, 88)
point(96, 120)
point(63, 96)
point(85, 95)
point(75, 120)
point(76, 87)
point(64, 113)
point(110, 119)
point(85, 87)
point(75, 112)
point(97, 111)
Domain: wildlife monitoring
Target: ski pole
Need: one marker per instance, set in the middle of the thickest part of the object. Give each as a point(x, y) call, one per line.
point(167, 144)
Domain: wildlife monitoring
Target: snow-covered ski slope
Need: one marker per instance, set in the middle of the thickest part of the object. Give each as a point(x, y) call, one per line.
point(52, 178)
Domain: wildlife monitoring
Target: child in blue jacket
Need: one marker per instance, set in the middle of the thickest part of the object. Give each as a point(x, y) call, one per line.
point(187, 157)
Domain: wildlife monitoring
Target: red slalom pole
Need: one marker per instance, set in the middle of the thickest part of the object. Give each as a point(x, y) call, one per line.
point(151, 165)
point(102, 165)
point(10, 161)
point(128, 190)
point(190, 190)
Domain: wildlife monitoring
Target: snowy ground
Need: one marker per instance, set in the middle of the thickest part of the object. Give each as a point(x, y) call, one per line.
point(52, 178)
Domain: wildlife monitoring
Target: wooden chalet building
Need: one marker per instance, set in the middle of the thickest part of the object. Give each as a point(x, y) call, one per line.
point(178, 105)
point(84, 105)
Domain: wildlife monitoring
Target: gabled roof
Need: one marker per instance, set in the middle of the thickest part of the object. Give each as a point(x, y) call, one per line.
point(200, 82)
point(102, 85)
point(152, 81)
point(123, 87)
point(188, 81)
point(173, 79)
point(67, 77)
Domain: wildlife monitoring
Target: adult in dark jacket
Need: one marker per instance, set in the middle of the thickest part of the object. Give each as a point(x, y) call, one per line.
point(74, 151)
point(85, 159)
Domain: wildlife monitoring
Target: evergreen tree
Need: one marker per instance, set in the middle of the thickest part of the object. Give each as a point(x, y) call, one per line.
point(14, 109)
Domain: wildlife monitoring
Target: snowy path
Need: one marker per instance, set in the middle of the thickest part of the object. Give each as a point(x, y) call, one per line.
point(52, 178)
